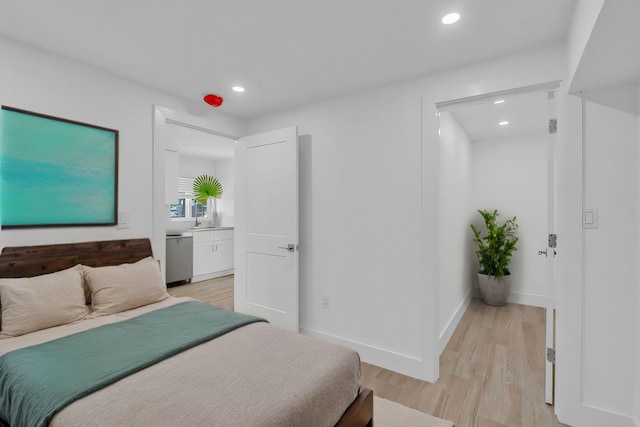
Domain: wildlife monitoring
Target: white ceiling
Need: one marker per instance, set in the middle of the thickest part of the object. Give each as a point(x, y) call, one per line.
point(527, 113)
point(286, 53)
point(611, 57)
point(198, 143)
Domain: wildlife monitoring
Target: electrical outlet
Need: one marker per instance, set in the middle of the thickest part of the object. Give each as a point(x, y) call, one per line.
point(326, 303)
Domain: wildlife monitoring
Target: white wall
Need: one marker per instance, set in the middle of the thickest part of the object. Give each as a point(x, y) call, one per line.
point(610, 283)
point(588, 321)
point(360, 221)
point(192, 167)
point(456, 213)
point(226, 204)
point(369, 207)
point(585, 15)
point(597, 356)
point(510, 175)
point(637, 381)
point(621, 98)
point(37, 81)
point(597, 322)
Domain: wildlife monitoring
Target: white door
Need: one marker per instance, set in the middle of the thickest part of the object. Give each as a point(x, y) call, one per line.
point(551, 253)
point(266, 229)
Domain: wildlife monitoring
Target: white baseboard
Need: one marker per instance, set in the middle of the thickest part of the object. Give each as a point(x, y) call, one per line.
point(450, 327)
point(523, 298)
point(528, 299)
point(586, 415)
point(402, 363)
point(211, 275)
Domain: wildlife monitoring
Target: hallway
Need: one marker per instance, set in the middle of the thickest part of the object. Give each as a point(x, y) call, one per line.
point(491, 372)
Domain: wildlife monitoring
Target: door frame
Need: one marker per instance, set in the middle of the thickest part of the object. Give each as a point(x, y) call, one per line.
point(552, 213)
point(160, 118)
point(552, 228)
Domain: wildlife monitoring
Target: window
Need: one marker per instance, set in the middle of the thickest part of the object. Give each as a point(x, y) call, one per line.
point(198, 209)
point(187, 207)
point(178, 210)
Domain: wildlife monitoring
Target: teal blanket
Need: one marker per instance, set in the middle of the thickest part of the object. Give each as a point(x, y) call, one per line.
point(38, 381)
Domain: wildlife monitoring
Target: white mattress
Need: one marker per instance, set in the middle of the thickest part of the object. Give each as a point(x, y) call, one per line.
point(257, 375)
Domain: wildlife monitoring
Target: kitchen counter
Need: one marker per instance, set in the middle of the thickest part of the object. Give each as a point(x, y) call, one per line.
point(178, 234)
point(210, 228)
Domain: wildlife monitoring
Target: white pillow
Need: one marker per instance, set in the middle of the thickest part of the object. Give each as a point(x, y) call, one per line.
point(34, 303)
point(125, 286)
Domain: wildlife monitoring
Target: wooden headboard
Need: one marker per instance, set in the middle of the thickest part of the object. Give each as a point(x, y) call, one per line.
point(29, 261)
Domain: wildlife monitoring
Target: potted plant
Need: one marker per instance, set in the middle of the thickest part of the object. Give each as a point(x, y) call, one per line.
point(206, 187)
point(494, 255)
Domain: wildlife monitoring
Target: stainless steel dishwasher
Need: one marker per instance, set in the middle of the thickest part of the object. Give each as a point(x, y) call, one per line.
point(179, 258)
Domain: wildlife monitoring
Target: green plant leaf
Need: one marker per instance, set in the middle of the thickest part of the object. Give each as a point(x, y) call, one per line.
point(205, 186)
point(496, 248)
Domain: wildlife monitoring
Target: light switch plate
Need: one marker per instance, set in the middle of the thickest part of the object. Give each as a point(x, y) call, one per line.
point(590, 219)
point(123, 219)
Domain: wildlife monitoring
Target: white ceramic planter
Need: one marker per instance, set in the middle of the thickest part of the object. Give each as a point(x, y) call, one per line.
point(492, 291)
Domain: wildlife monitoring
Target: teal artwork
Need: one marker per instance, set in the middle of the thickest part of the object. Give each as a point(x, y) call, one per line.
point(56, 172)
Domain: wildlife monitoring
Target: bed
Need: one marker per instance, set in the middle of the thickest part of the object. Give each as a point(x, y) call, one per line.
point(192, 367)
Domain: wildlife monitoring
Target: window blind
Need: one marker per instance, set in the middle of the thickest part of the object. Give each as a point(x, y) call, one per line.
point(185, 186)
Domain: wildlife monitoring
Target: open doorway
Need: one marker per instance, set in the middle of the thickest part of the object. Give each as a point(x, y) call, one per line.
point(198, 152)
point(190, 246)
point(497, 151)
point(269, 205)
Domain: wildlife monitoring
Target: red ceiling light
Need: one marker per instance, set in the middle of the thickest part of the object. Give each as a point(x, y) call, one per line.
point(213, 100)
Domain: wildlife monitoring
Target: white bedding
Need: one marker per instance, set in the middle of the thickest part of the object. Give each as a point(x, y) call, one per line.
point(257, 375)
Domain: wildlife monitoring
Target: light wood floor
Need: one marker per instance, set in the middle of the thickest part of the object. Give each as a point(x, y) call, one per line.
point(491, 371)
point(217, 291)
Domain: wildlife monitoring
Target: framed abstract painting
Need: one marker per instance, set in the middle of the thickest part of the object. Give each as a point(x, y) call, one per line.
point(56, 172)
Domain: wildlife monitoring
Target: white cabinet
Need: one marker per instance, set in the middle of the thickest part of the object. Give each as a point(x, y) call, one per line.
point(202, 258)
point(223, 255)
point(212, 253)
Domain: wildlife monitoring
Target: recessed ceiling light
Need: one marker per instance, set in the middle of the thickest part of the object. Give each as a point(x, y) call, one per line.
point(503, 123)
point(238, 89)
point(451, 18)
point(498, 101)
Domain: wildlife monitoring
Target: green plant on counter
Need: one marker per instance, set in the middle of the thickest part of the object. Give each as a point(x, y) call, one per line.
point(206, 186)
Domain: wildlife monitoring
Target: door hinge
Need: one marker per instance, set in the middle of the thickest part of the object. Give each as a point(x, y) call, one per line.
point(553, 125)
point(553, 240)
point(551, 355)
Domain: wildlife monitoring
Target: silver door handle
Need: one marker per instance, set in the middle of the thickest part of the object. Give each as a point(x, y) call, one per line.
point(290, 247)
